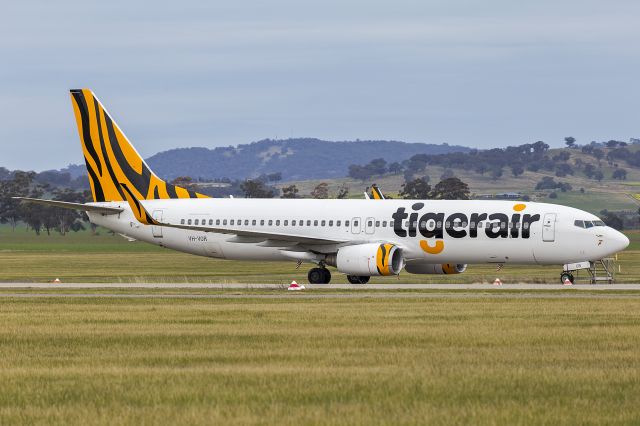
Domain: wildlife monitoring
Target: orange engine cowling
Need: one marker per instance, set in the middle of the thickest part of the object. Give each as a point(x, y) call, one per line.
point(368, 259)
point(436, 268)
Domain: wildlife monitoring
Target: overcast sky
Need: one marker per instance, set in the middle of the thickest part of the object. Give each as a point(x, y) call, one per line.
point(209, 73)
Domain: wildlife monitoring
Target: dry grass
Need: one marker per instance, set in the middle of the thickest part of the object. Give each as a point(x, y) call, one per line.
point(366, 361)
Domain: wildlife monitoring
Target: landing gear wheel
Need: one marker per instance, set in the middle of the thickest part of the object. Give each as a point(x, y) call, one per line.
point(566, 276)
point(319, 276)
point(355, 279)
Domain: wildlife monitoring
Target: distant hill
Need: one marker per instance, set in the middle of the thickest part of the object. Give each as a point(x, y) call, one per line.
point(295, 158)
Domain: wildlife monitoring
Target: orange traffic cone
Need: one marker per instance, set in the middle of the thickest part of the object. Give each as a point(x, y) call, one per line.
point(497, 282)
point(57, 281)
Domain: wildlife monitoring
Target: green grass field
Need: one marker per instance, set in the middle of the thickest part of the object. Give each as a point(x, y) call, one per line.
point(82, 257)
point(475, 360)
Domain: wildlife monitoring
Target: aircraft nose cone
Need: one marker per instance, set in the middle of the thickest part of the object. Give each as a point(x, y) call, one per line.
point(619, 241)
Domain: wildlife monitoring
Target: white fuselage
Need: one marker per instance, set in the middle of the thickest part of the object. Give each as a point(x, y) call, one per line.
point(466, 232)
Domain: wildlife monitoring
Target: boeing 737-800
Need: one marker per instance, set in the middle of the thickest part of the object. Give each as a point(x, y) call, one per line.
point(360, 238)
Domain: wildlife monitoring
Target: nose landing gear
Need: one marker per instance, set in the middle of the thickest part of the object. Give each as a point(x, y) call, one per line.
point(566, 276)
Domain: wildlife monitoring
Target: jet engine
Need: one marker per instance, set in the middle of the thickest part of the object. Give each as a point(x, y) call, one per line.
point(368, 259)
point(435, 268)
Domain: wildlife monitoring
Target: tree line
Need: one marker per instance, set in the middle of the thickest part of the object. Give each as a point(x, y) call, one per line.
point(516, 160)
point(39, 218)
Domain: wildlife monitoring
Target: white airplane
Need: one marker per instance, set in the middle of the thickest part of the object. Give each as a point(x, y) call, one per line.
point(360, 238)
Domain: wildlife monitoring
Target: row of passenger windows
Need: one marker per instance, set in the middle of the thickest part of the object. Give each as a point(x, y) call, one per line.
point(263, 222)
point(338, 223)
point(588, 223)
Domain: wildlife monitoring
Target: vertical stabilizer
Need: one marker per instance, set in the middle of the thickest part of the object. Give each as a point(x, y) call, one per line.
point(111, 159)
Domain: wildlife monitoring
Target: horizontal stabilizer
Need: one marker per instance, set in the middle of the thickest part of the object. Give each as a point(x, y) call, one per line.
point(73, 206)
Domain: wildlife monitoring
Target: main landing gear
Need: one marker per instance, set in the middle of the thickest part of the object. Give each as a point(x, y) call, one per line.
point(355, 279)
point(319, 276)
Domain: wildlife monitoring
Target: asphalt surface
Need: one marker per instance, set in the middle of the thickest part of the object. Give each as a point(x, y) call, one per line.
point(357, 287)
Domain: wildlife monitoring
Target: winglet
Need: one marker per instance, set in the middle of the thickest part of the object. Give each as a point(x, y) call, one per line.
point(138, 209)
point(376, 193)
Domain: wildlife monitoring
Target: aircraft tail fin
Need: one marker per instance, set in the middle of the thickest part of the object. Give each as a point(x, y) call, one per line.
point(111, 159)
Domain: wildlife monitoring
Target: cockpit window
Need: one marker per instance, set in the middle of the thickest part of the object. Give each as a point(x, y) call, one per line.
point(579, 223)
point(588, 224)
point(598, 223)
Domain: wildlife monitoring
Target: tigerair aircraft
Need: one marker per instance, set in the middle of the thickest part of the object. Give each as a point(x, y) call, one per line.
point(359, 238)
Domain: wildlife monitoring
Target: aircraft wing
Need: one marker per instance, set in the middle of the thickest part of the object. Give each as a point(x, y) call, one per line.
point(73, 206)
point(143, 216)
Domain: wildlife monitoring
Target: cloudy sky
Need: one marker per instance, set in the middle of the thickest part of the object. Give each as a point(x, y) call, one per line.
point(210, 73)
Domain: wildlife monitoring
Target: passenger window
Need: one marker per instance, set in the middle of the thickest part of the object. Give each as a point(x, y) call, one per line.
point(447, 224)
point(503, 225)
point(293, 223)
point(253, 222)
point(286, 223)
point(480, 225)
point(278, 222)
point(224, 222)
point(439, 224)
point(189, 222)
point(315, 223)
point(377, 223)
point(217, 221)
point(262, 222)
point(308, 223)
point(463, 224)
point(210, 221)
point(330, 223)
point(181, 221)
point(384, 223)
point(271, 223)
point(232, 222)
point(472, 225)
point(323, 223)
point(346, 223)
point(526, 225)
point(355, 223)
point(195, 222)
point(338, 223)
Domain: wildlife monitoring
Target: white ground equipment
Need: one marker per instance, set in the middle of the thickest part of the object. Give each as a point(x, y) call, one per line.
point(593, 272)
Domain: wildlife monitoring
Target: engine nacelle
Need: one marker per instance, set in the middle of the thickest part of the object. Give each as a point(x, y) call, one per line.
point(435, 268)
point(368, 259)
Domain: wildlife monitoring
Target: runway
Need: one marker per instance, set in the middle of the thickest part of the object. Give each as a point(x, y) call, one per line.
point(355, 287)
point(318, 291)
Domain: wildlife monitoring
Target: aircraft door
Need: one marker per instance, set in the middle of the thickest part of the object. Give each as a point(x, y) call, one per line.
point(355, 225)
point(549, 227)
point(157, 230)
point(370, 225)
